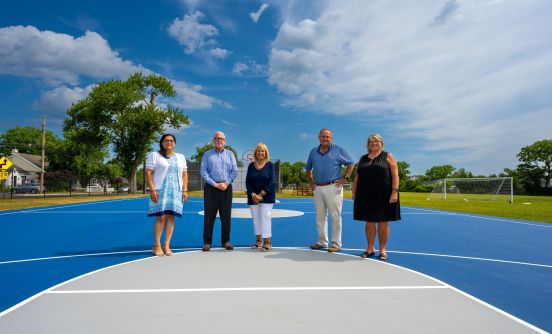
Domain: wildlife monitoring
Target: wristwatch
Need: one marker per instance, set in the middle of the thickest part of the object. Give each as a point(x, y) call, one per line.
point(395, 189)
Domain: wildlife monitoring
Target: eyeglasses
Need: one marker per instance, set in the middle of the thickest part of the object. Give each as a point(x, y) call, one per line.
point(168, 141)
point(374, 142)
point(218, 138)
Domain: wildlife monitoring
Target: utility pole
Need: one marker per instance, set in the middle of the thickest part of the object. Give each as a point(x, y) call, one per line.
point(43, 154)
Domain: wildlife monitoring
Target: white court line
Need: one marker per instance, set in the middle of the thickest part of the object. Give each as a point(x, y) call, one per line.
point(482, 217)
point(145, 212)
point(508, 315)
point(295, 288)
point(84, 255)
point(460, 257)
point(63, 206)
point(345, 249)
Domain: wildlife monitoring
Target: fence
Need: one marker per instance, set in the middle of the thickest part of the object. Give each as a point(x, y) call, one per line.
point(21, 183)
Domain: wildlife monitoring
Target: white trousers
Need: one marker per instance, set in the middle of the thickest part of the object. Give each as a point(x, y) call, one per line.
point(328, 198)
point(262, 219)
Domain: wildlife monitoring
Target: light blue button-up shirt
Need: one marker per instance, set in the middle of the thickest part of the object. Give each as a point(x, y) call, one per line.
point(218, 167)
point(327, 167)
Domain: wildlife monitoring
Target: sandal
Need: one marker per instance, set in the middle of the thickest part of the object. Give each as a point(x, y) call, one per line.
point(366, 255)
point(167, 250)
point(266, 247)
point(383, 256)
point(157, 250)
point(258, 243)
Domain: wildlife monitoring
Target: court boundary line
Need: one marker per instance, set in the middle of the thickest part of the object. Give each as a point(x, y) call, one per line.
point(269, 288)
point(465, 294)
point(460, 257)
point(64, 206)
point(182, 250)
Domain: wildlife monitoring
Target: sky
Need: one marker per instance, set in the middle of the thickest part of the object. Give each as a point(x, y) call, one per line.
point(465, 83)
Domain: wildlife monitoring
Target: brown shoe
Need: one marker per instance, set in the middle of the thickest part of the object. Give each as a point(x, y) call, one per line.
point(334, 249)
point(206, 248)
point(228, 246)
point(317, 246)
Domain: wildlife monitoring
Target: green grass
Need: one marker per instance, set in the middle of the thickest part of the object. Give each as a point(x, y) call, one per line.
point(539, 209)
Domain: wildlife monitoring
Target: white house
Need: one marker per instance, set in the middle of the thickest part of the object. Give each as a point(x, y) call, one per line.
point(25, 168)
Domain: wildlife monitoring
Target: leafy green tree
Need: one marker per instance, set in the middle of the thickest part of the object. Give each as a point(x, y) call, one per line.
point(439, 172)
point(293, 173)
point(29, 140)
point(462, 173)
point(537, 161)
point(200, 151)
point(125, 115)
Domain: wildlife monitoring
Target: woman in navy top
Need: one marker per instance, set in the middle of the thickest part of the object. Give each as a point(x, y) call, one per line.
point(261, 195)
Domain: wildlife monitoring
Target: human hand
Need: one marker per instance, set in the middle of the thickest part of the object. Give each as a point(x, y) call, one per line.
point(340, 182)
point(154, 196)
point(394, 197)
point(184, 196)
point(222, 186)
point(353, 196)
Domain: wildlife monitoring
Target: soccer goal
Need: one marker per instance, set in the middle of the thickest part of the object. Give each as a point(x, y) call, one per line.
point(474, 189)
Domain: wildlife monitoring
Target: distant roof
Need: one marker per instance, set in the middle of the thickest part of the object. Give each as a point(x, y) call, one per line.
point(27, 162)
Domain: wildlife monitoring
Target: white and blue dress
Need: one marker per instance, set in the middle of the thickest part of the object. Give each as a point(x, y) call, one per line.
point(170, 192)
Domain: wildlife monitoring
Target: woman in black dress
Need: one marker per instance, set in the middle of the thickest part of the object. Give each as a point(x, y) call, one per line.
point(376, 194)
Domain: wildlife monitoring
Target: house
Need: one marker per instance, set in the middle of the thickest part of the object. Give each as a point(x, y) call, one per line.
point(25, 169)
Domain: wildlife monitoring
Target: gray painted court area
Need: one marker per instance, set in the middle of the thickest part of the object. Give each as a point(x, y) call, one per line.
point(246, 291)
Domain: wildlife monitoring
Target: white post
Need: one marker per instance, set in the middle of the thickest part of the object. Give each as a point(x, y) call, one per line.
point(511, 190)
point(445, 187)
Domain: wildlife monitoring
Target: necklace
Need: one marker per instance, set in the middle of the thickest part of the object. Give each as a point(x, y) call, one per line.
point(259, 166)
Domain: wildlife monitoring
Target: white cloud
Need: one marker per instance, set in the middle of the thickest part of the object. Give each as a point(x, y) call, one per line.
point(462, 76)
point(59, 58)
point(248, 66)
point(190, 97)
point(255, 16)
point(196, 36)
point(219, 53)
point(59, 99)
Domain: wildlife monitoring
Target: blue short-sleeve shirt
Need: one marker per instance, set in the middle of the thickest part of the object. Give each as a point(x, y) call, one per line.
point(327, 167)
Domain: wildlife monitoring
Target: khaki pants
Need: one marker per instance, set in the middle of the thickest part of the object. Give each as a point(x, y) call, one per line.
point(328, 198)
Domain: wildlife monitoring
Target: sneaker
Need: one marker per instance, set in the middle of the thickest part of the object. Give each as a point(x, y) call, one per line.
point(317, 246)
point(206, 248)
point(334, 249)
point(228, 246)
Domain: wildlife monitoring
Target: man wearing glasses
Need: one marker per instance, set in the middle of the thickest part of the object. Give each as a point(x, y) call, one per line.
point(218, 170)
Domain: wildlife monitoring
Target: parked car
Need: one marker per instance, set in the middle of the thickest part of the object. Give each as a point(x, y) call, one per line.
point(33, 188)
point(124, 189)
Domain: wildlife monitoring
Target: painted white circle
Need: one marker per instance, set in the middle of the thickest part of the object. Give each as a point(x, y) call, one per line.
point(243, 200)
point(276, 213)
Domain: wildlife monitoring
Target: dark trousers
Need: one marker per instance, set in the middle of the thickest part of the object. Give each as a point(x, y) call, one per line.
point(216, 200)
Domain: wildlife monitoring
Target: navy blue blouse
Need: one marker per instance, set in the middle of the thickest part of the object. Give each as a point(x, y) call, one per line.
point(257, 180)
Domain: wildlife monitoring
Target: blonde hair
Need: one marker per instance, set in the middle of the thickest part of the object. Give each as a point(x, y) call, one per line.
point(261, 147)
point(377, 137)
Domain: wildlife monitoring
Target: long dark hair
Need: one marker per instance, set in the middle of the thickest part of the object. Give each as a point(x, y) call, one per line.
point(162, 150)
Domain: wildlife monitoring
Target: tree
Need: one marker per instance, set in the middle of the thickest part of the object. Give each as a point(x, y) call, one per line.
point(200, 151)
point(439, 172)
point(293, 173)
point(462, 173)
point(29, 140)
point(126, 115)
point(537, 161)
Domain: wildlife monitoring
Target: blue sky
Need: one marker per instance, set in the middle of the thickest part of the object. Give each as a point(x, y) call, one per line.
point(466, 83)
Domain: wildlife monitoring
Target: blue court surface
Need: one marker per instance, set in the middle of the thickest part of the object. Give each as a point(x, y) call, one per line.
point(503, 262)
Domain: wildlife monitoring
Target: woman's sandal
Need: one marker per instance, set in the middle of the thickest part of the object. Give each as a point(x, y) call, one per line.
point(266, 247)
point(383, 256)
point(367, 254)
point(157, 250)
point(167, 250)
point(257, 244)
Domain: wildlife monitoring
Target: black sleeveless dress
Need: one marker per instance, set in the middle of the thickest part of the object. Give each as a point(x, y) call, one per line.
point(373, 191)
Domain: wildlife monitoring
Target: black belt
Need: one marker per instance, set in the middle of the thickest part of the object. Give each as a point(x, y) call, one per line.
point(327, 183)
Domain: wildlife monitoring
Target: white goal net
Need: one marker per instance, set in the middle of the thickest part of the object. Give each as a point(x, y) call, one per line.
point(468, 189)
